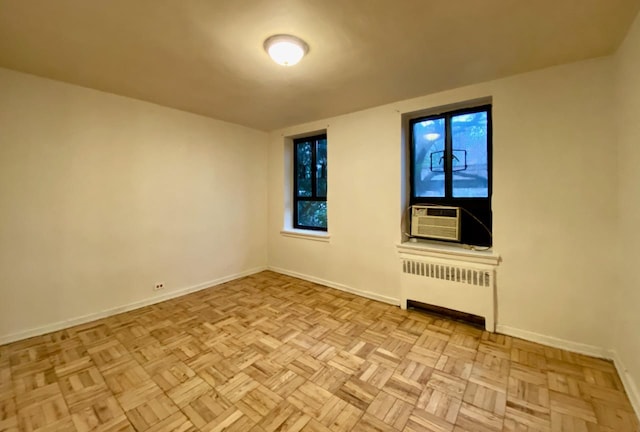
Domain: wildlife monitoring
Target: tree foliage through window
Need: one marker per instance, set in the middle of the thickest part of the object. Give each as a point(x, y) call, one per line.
point(310, 185)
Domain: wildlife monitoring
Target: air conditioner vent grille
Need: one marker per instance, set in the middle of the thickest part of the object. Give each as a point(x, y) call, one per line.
point(437, 222)
point(437, 231)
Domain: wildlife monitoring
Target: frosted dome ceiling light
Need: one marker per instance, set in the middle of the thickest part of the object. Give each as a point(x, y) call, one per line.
point(286, 50)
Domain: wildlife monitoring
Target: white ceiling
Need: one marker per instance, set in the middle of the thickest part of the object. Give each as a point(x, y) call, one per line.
point(206, 56)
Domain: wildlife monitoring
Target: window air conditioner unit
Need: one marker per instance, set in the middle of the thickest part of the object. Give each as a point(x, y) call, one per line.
point(436, 222)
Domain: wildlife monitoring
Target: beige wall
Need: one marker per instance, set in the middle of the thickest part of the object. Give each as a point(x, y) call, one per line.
point(627, 333)
point(554, 198)
point(102, 196)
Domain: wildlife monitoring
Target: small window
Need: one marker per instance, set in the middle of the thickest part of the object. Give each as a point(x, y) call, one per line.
point(451, 165)
point(310, 183)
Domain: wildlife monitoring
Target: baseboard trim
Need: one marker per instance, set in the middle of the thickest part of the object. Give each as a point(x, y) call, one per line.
point(338, 286)
point(580, 348)
point(591, 350)
point(60, 325)
point(627, 380)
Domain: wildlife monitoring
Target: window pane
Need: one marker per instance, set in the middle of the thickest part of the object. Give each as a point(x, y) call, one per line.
point(321, 168)
point(303, 169)
point(429, 161)
point(312, 214)
point(470, 161)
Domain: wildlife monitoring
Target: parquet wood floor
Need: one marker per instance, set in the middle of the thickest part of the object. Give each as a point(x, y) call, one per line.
point(272, 353)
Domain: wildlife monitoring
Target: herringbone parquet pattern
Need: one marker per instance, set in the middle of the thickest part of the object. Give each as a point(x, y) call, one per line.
point(272, 353)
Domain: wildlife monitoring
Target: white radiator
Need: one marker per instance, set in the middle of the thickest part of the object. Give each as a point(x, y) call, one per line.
point(464, 287)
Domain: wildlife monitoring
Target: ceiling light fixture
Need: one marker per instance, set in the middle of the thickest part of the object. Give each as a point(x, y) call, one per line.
point(432, 136)
point(286, 50)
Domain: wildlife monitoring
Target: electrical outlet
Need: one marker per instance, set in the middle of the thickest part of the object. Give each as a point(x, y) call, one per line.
point(158, 286)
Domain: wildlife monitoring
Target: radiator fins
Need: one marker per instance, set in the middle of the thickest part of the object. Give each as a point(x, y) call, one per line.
point(463, 275)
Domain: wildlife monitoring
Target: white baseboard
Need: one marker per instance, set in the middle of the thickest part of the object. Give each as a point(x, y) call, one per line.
point(338, 286)
point(577, 347)
point(37, 331)
point(609, 354)
point(627, 380)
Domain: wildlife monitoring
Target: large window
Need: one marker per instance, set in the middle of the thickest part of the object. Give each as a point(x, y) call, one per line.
point(451, 165)
point(310, 183)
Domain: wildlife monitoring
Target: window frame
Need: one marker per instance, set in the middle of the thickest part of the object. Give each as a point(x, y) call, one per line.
point(314, 175)
point(478, 206)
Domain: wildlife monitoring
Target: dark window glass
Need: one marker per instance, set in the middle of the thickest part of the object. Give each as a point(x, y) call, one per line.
point(312, 214)
point(429, 158)
point(470, 166)
point(321, 168)
point(310, 188)
point(303, 162)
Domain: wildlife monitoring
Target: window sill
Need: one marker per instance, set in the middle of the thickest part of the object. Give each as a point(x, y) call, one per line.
point(320, 236)
point(449, 251)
